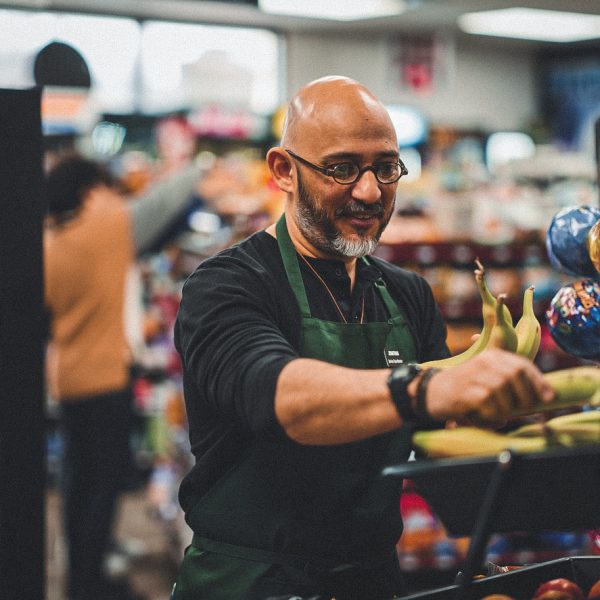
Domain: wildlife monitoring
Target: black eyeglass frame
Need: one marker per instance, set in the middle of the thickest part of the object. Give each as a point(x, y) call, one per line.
point(330, 172)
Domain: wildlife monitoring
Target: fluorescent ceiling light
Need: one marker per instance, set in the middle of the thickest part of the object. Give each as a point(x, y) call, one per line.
point(338, 10)
point(532, 24)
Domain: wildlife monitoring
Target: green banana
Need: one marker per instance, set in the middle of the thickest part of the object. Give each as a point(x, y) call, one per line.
point(528, 330)
point(486, 296)
point(488, 311)
point(569, 430)
point(473, 441)
point(503, 333)
point(575, 386)
point(576, 435)
point(585, 417)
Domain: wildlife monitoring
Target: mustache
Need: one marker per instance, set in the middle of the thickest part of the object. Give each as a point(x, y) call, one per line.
point(359, 208)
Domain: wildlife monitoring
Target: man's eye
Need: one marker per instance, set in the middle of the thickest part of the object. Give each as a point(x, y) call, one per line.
point(387, 169)
point(344, 170)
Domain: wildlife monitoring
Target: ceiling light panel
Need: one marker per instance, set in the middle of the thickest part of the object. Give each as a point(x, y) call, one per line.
point(532, 24)
point(338, 10)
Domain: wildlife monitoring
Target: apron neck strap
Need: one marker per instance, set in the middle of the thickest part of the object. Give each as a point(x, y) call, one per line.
point(292, 269)
point(391, 306)
point(290, 262)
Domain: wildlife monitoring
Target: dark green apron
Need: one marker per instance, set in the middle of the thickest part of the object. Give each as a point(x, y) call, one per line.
point(301, 519)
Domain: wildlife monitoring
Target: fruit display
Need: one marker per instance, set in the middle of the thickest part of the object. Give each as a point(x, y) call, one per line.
point(560, 588)
point(568, 578)
point(574, 387)
point(557, 589)
point(568, 431)
point(498, 330)
point(594, 593)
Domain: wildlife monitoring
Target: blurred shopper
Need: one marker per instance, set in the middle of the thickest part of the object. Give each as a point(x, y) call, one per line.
point(91, 242)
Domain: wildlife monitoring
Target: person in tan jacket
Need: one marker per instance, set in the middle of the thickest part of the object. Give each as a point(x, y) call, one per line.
point(90, 244)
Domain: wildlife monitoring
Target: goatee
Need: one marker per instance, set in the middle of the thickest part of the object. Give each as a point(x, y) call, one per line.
point(321, 232)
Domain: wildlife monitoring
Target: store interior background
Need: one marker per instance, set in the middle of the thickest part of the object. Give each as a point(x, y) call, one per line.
point(223, 92)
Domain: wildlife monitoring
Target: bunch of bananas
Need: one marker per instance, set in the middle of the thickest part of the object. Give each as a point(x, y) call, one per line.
point(574, 387)
point(570, 430)
point(498, 329)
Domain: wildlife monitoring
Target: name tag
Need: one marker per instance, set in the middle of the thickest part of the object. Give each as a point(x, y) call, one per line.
point(392, 358)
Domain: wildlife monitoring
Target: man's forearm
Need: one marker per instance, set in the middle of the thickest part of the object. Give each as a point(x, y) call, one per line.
point(320, 403)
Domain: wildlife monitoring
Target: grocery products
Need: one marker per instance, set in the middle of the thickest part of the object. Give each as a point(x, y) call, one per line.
point(574, 318)
point(566, 240)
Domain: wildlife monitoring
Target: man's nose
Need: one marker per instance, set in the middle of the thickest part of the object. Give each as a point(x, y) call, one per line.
point(367, 189)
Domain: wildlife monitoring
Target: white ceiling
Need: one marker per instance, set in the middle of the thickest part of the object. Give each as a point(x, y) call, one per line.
point(422, 16)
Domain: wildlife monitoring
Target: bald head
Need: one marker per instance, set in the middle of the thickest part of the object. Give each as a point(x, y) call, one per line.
point(333, 106)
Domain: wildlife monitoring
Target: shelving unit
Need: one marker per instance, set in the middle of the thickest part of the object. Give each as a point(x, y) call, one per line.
point(508, 492)
point(510, 268)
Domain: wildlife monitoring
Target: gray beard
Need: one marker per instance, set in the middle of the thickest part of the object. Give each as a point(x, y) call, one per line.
point(317, 228)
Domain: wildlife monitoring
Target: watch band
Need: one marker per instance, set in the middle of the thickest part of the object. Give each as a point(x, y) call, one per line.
point(398, 382)
point(422, 414)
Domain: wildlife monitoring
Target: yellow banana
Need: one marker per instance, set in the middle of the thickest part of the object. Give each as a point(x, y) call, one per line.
point(473, 441)
point(528, 330)
point(503, 333)
point(488, 311)
point(575, 386)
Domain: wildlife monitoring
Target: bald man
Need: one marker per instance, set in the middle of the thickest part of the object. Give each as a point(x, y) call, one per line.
point(300, 354)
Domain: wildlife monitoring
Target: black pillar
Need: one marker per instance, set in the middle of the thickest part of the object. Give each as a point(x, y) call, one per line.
point(22, 435)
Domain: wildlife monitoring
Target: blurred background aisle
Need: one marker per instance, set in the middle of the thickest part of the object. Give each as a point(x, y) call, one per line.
point(149, 564)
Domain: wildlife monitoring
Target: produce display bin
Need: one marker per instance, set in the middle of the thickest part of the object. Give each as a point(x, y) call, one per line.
point(554, 490)
point(522, 583)
point(557, 489)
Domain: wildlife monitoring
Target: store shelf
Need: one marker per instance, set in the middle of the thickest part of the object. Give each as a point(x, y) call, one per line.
point(554, 490)
point(463, 254)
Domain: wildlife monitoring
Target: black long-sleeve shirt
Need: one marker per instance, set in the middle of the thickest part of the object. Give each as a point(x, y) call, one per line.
point(239, 324)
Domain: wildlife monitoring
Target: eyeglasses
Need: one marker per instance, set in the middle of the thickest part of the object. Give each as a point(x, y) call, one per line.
point(349, 172)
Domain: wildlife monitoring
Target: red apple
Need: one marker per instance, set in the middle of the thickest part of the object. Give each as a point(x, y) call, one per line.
point(594, 593)
point(568, 589)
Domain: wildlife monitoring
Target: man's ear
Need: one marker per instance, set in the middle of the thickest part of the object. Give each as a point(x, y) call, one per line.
point(281, 168)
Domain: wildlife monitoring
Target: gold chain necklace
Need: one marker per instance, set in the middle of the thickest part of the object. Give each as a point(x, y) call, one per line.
point(362, 314)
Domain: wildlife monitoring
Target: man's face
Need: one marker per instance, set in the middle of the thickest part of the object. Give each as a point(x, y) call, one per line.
point(338, 121)
point(340, 225)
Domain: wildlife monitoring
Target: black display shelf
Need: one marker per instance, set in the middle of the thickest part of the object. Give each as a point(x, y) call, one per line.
point(557, 489)
point(522, 583)
point(553, 490)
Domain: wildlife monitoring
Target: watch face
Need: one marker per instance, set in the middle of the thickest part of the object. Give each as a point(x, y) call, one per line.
point(404, 373)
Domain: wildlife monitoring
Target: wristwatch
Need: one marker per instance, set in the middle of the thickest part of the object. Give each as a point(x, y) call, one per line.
point(398, 382)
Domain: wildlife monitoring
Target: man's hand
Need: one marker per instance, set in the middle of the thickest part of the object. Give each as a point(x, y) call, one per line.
point(487, 389)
